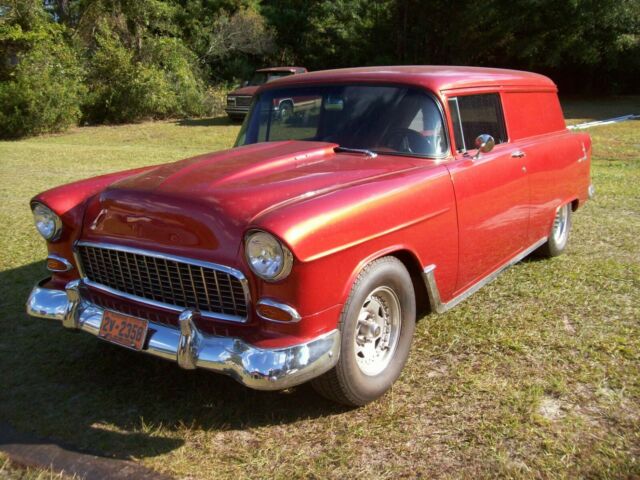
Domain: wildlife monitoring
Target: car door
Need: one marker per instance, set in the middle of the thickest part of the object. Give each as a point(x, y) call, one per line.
point(492, 192)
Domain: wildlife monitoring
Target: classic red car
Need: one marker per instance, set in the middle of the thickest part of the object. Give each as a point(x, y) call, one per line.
point(308, 251)
point(239, 100)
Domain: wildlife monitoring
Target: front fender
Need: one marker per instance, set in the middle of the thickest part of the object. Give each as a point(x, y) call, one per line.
point(333, 236)
point(69, 202)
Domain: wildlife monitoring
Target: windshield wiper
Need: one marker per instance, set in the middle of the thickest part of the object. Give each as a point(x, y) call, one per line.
point(366, 152)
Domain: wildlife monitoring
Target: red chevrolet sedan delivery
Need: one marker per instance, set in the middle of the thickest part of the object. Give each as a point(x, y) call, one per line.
point(308, 251)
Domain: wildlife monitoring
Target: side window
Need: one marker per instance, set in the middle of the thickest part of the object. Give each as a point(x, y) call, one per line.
point(474, 115)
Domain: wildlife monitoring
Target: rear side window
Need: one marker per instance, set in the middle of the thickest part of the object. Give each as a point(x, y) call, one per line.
point(474, 115)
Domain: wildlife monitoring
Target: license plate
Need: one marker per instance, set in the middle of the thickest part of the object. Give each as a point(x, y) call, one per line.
point(123, 329)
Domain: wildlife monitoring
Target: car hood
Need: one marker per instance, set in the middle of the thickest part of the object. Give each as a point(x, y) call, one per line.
point(248, 91)
point(210, 200)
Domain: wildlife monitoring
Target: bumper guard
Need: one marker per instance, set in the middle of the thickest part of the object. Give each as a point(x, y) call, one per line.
point(254, 367)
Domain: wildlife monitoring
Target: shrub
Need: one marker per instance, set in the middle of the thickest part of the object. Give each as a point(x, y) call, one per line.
point(179, 66)
point(43, 91)
point(215, 101)
point(158, 81)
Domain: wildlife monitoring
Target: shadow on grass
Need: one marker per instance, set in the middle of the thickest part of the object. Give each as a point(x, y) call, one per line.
point(206, 122)
point(112, 402)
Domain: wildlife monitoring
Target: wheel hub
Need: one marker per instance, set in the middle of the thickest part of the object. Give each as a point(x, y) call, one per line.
point(560, 223)
point(377, 331)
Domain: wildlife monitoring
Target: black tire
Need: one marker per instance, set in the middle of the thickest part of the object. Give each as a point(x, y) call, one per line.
point(286, 111)
point(559, 233)
point(347, 383)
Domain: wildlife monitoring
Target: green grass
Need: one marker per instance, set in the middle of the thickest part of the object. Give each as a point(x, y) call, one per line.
point(11, 471)
point(537, 375)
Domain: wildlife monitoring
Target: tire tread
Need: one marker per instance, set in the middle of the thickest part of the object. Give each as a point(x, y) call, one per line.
point(330, 384)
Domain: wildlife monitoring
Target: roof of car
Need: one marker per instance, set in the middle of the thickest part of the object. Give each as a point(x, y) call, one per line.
point(282, 69)
point(435, 78)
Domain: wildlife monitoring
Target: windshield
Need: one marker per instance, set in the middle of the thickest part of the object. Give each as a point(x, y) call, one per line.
point(383, 119)
point(264, 77)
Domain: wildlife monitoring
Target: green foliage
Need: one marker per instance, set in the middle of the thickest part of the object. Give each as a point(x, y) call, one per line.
point(123, 89)
point(230, 37)
point(127, 60)
point(159, 81)
point(585, 45)
point(41, 77)
point(245, 31)
point(339, 33)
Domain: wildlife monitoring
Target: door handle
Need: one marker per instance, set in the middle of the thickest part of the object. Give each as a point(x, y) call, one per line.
point(518, 154)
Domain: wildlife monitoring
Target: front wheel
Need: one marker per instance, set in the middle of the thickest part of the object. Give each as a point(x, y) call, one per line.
point(377, 325)
point(286, 111)
point(559, 234)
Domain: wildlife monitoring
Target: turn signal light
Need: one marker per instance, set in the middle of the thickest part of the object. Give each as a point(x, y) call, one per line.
point(276, 312)
point(58, 264)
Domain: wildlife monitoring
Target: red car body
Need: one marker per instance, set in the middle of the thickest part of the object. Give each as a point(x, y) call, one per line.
point(453, 221)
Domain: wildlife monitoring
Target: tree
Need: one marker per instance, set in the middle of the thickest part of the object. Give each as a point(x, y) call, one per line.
point(41, 76)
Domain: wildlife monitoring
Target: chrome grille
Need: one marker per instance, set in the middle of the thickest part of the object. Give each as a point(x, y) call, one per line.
point(243, 101)
point(166, 280)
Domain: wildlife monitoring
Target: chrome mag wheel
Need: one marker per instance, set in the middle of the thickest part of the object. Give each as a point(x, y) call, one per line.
point(377, 324)
point(377, 331)
point(560, 228)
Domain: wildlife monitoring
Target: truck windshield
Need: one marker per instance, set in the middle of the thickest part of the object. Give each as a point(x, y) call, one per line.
point(264, 77)
point(382, 119)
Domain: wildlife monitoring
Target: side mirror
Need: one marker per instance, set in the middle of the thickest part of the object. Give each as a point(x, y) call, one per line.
point(484, 144)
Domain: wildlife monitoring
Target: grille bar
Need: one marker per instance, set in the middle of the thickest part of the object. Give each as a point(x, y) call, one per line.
point(167, 281)
point(243, 101)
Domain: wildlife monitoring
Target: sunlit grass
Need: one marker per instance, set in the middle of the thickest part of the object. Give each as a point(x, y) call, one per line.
point(537, 375)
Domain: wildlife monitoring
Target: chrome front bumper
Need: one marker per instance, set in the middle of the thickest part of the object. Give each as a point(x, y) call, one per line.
point(237, 110)
point(254, 367)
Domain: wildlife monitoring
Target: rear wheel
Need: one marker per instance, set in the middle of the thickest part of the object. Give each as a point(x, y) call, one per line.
point(559, 234)
point(377, 325)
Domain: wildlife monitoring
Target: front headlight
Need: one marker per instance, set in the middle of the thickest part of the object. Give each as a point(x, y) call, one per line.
point(47, 222)
point(267, 256)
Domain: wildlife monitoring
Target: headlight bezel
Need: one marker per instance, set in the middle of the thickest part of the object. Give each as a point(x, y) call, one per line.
point(287, 257)
point(54, 218)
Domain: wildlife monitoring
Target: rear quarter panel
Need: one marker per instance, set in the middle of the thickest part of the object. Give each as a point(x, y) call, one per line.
point(558, 161)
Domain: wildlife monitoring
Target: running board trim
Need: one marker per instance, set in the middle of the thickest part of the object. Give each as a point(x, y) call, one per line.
point(428, 276)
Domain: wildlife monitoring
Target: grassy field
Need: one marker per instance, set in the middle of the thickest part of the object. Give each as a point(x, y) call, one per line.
point(537, 375)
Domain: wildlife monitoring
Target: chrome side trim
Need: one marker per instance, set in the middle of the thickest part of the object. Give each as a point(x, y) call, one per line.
point(584, 156)
point(428, 276)
point(254, 367)
point(282, 306)
point(429, 279)
point(67, 264)
point(200, 263)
